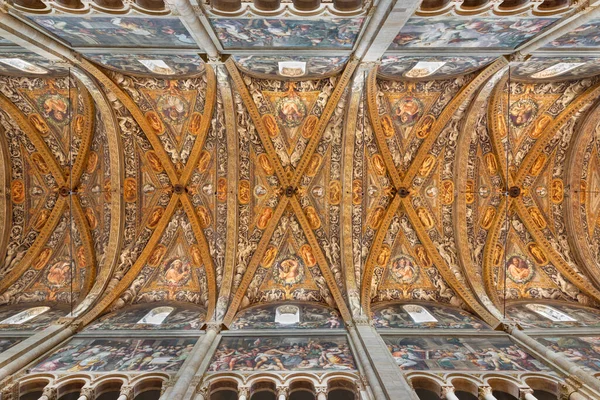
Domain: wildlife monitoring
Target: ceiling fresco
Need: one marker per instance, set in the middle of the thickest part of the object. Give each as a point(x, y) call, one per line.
point(582, 37)
point(262, 170)
point(505, 32)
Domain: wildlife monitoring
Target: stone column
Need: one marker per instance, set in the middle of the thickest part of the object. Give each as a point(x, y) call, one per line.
point(321, 392)
point(126, 393)
point(243, 393)
point(282, 392)
point(527, 394)
point(184, 377)
point(485, 393)
point(448, 393)
point(87, 393)
point(569, 390)
point(383, 375)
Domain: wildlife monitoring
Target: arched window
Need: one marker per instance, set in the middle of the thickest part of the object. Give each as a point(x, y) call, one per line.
point(419, 314)
point(424, 68)
point(24, 316)
point(287, 315)
point(156, 316)
point(551, 313)
point(556, 70)
point(158, 67)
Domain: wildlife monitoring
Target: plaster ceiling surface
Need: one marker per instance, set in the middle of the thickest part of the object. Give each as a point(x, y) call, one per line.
point(338, 155)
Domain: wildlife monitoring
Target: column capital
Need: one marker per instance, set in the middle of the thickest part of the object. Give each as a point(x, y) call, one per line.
point(447, 390)
point(127, 391)
point(213, 326)
point(88, 392)
point(283, 391)
point(10, 392)
point(244, 391)
point(485, 391)
point(321, 389)
point(570, 385)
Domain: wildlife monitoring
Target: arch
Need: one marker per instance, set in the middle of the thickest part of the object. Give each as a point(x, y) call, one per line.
point(550, 313)
point(419, 313)
point(505, 385)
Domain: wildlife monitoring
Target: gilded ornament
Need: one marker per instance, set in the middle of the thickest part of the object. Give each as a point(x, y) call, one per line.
point(488, 217)
point(157, 254)
point(195, 123)
point(309, 126)
point(470, 191)
point(447, 192)
point(356, 192)
point(491, 164)
point(425, 218)
point(39, 124)
point(270, 125)
point(90, 216)
point(425, 127)
point(313, 165)
point(154, 161)
point(540, 125)
point(17, 191)
point(155, 123)
point(81, 258)
point(40, 163)
point(537, 253)
point(387, 125)
point(376, 217)
point(423, 257)
point(378, 164)
point(557, 191)
point(335, 192)
point(537, 218)
point(222, 189)
point(196, 255)
point(264, 217)
point(130, 190)
point(308, 256)
point(203, 161)
point(427, 165)
point(155, 217)
point(384, 255)
point(269, 256)
point(312, 217)
point(78, 123)
point(203, 216)
point(41, 219)
point(265, 164)
point(42, 258)
point(92, 162)
point(538, 164)
point(502, 131)
point(244, 192)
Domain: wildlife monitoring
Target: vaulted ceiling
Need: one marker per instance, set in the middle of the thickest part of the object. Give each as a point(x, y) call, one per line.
point(229, 154)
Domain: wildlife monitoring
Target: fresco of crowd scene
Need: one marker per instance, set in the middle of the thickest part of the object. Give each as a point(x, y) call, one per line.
point(102, 355)
point(584, 351)
point(487, 354)
point(282, 354)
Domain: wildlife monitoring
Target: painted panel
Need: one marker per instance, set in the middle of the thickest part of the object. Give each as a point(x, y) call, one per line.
point(266, 317)
point(586, 35)
point(283, 354)
point(35, 324)
point(100, 355)
point(178, 65)
point(179, 319)
point(269, 65)
point(396, 316)
point(31, 58)
point(584, 351)
point(118, 32)
point(505, 32)
point(399, 67)
point(452, 353)
point(584, 316)
point(335, 33)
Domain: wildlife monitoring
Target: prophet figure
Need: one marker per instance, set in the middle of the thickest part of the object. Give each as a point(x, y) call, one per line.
point(518, 270)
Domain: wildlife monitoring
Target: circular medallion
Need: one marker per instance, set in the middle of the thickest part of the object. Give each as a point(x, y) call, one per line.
point(290, 111)
point(519, 269)
point(173, 108)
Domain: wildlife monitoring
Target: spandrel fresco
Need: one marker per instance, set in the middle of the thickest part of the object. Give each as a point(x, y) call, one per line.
point(179, 319)
point(403, 316)
point(273, 317)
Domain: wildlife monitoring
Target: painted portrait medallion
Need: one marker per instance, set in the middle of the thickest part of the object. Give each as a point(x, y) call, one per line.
point(177, 272)
point(519, 269)
point(289, 270)
point(404, 270)
point(174, 109)
point(290, 111)
point(55, 108)
point(407, 111)
point(522, 112)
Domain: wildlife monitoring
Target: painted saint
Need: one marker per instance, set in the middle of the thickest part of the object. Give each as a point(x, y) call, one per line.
point(177, 272)
point(518, 269)
point(407, 110)
point(290, 111)
point(39, 124)
point(59, 273)
point(173, 108)
point(288, 271)
point(522, 112)
point(56, 107)
point(403, 270)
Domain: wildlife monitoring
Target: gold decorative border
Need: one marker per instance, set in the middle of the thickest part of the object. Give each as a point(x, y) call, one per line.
point(88, 245)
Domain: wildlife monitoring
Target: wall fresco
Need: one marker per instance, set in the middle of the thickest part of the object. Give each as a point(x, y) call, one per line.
point(398, 316)
point(335, 33)
point(269, 65)
point(447, 353)
point(282, 354)
point(267, 317)
point(505, 32)
point(101, 355)
point(399, 67)
point(179, 319)
point(177, 65)
point(118, 31)
point(582, 350)
point(583, 316)
point(586, 35)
